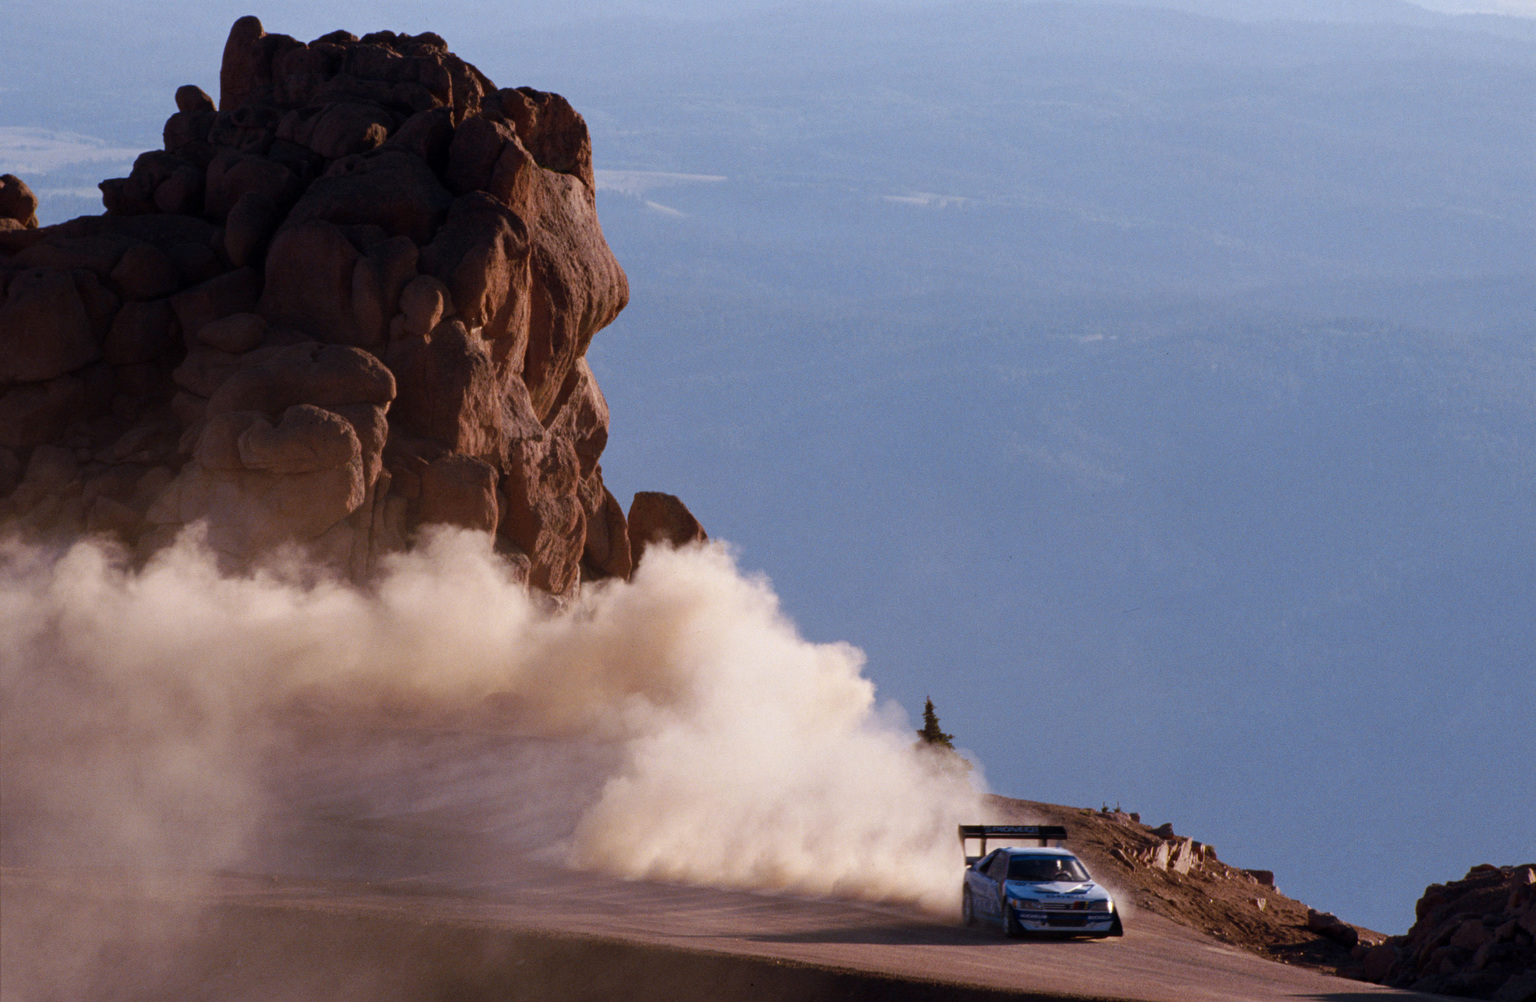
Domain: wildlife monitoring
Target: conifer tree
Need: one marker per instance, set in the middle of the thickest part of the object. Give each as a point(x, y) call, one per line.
point(931, 734)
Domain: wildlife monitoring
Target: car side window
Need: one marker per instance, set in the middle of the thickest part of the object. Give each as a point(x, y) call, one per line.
point(980, 866)
point(998, 868)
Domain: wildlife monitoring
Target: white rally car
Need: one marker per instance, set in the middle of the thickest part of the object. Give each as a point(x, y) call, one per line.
point(1044, 889)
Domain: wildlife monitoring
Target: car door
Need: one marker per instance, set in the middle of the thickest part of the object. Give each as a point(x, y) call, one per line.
point(983, 892)
point(997, 877)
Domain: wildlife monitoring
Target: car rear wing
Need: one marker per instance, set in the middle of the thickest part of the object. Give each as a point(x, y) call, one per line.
point(1043, 834)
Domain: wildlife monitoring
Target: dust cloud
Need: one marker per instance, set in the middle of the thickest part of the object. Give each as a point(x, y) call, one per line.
point(675, 727)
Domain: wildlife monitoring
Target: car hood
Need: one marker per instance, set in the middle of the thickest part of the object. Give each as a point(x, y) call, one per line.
point(1061, 889)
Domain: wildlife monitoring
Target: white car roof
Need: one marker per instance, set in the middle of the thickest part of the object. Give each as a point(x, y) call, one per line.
point(1023, 850)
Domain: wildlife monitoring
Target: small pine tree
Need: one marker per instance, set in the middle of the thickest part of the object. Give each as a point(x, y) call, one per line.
point(931, 734)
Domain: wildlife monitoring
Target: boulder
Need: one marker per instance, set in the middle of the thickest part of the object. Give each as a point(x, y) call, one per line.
point(427, 134)
point(45, 330)
point(98, 254)
point(308, 438)
point(378, 280)
point(309, 282)
point(1378, 961)
point(369, 423)
point(271, 380)
point(141, 332)
point(186, 134)
point(243, 68)
point(459, 490)
point(249, 227)
point(51, 466)
point(235, 334)
point(232, 175)
point(249, 513)
point(344, 129)
point(230, 293)
point(17, 203)
point(660, 518)
point(1331, 926)
point(145, 272)
point(424, 302)
point(551, 130)
point(477, 145)
point(481, 255)
point(606, 548)
point(1184, 856)
point(451, 393)
point(192, 99)
point(35, 413)
point(218, 446)
point(204, 370)
point(390, 189)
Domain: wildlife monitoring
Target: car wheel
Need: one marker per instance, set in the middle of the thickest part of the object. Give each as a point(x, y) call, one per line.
point(1011, 927)
point(1115, 928)
point(967, 909)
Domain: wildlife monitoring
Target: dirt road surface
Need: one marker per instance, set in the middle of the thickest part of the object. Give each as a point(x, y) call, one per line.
point(404, 867)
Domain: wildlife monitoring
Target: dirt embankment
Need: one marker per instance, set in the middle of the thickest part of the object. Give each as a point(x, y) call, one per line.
point(1181, 879)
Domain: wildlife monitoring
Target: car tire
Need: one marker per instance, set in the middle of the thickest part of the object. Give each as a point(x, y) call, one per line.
point(1115, 928)
point(1011, 927)
point(967, 909)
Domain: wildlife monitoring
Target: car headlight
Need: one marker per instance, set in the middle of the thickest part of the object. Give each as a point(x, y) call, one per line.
point(1101, 906)
point(1025, 904)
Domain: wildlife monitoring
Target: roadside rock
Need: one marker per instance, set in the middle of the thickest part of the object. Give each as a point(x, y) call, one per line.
point(1472, 938)
point(1330, 925)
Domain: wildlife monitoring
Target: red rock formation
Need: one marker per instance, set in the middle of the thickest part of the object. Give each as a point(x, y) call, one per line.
point(348, 299)
point(661, 518)
point(1473, 938)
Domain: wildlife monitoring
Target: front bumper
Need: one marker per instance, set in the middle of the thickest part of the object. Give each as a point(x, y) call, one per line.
point(1064, 921)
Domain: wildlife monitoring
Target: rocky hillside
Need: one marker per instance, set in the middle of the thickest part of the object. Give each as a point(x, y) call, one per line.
point(1182, 879)
point(1473, 938)
point(348, 299)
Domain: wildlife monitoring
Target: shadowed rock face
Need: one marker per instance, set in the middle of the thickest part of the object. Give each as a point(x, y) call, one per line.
point(1472, 938)
point(350, 298)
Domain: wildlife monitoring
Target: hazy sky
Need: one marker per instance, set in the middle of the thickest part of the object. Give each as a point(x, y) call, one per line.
point(1152, 388)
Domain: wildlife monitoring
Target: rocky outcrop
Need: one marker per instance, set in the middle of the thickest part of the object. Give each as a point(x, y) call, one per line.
point(661, 518)
point(1471, 938)
point(1334, 928)
point(18, 206)
point(350, 298)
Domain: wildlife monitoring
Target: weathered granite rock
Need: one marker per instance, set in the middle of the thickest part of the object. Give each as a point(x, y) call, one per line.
point(1472, 938)
point(349, 298)
point(45, 328)
point(18, 206)
point(661, 518)
point(1330, 925)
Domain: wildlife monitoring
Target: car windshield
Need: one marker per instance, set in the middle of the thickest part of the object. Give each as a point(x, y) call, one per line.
point(1046, 868)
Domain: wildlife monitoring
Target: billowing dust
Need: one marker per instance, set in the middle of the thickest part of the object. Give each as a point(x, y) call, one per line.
point(174, 720)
